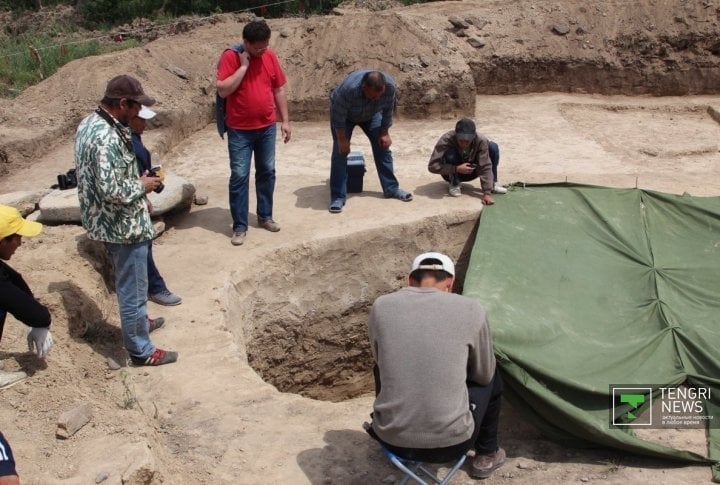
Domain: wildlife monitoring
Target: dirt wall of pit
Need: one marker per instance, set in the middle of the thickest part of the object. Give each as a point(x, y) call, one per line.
point(301, 315)
point(617, 47)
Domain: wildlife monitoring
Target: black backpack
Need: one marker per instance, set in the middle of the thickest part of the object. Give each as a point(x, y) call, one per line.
point(220, 102)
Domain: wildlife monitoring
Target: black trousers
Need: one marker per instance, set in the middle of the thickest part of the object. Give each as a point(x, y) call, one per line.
point(485, 408)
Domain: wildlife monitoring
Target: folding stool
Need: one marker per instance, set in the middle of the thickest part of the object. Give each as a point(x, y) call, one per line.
point(412, 469)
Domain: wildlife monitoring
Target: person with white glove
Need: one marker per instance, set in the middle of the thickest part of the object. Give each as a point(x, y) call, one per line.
point(40, 341)
point(15, 295)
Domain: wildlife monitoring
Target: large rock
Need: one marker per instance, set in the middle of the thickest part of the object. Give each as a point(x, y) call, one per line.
point(177, 195)
point(24, 201)
point(63, 206)
point(60, 206)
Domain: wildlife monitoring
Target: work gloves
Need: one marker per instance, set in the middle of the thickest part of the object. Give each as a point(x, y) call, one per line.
point(40, 341)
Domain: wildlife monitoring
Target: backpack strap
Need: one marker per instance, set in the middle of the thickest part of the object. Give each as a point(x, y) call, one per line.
point(220, 111)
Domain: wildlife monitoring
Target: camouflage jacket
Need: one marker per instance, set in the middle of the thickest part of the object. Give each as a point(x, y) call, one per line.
point(113, 206)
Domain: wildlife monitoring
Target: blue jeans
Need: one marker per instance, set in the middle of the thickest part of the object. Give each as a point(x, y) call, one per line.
point(241, 146)
point(131, 286)
point(156, 283)
point(452, 157)
point(382, 156)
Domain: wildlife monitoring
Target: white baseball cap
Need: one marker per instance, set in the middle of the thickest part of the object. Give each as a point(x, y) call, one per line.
point(446, 263)
point(146, 113)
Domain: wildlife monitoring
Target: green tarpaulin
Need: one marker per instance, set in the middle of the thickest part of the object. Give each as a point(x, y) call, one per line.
point(592, 286)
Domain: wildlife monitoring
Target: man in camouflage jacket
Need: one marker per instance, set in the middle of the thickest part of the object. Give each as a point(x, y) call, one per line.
point(114, 208)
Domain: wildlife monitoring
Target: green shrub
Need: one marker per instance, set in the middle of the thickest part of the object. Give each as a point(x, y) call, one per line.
point(24, 62)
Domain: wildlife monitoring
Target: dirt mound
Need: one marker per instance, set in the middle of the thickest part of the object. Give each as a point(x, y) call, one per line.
point(442, 54)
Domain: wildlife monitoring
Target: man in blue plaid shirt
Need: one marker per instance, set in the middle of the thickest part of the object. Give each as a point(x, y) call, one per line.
point(365, 98)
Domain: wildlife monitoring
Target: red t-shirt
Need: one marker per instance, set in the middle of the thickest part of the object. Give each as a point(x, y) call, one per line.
point(252, 105)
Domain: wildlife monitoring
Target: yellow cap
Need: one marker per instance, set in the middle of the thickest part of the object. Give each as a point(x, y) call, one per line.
point(11, 222)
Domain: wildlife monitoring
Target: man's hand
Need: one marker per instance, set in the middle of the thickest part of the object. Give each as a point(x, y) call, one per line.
point(385, 141)
point(343, 145)
point(487, 199)
point(244, 58)
point(150, 183)
point(286, 130)
point(465, 168)
point(40, 341)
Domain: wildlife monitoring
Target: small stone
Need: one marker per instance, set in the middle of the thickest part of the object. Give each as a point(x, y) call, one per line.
point(424, 62)
point(284, 34)
point(524, 465)
point(476, 42)
point(112, 364)
point(101, 477)
point(461, 33)
point(561, 28)
point(581, 31)
point(72, 420)
point(458, 23)
point(200, 199)
point(179, 72)
point(584, 479)
point(429, 97)
point(389, 479)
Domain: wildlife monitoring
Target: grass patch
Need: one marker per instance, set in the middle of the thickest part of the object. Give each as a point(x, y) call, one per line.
point(27, 61)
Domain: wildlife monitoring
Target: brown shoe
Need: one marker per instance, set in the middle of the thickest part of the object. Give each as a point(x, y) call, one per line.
point(484, 465)
point(270, 225)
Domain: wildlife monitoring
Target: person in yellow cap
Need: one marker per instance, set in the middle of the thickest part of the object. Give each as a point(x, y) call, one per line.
point(15, 295)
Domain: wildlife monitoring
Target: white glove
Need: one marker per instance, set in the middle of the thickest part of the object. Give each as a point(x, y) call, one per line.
point(40, 341)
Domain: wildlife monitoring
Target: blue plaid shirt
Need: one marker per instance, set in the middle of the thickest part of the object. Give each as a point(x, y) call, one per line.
point(347, 102)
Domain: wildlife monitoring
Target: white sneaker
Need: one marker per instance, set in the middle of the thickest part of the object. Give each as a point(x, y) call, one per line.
point(454, 191)
point(499, 189)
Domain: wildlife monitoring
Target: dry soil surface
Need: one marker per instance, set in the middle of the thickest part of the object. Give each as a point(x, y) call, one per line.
point(289, 307)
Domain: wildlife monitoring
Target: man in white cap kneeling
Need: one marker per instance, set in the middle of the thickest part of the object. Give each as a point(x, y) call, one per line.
point(438, 390)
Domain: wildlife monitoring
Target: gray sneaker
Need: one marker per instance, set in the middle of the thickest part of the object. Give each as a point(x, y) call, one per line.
point(166, 297)
point(238, 238)
point(454, 191)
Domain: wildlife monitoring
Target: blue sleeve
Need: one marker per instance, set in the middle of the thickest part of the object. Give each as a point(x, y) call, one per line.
point(144, 159)
point(389, 106)
point(7, 461)
point(339, 107)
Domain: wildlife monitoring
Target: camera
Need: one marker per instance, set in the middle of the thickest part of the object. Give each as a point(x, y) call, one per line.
point(67, 180)
point(157, 172)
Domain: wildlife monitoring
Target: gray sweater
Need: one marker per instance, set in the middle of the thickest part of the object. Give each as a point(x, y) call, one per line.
point(427, 344)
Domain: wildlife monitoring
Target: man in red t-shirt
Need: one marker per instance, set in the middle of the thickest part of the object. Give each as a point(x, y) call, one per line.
point(253, 85)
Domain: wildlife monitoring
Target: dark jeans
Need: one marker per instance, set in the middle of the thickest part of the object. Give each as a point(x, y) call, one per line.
point(452, 157)
point(156, 283)
point(485, 407)
point(382, 156)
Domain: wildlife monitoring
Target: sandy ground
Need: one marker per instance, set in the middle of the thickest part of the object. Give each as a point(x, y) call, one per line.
point(210, 418)
point(294, 302)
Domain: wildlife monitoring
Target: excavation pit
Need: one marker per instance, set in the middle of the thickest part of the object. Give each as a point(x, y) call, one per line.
point(303, 315)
